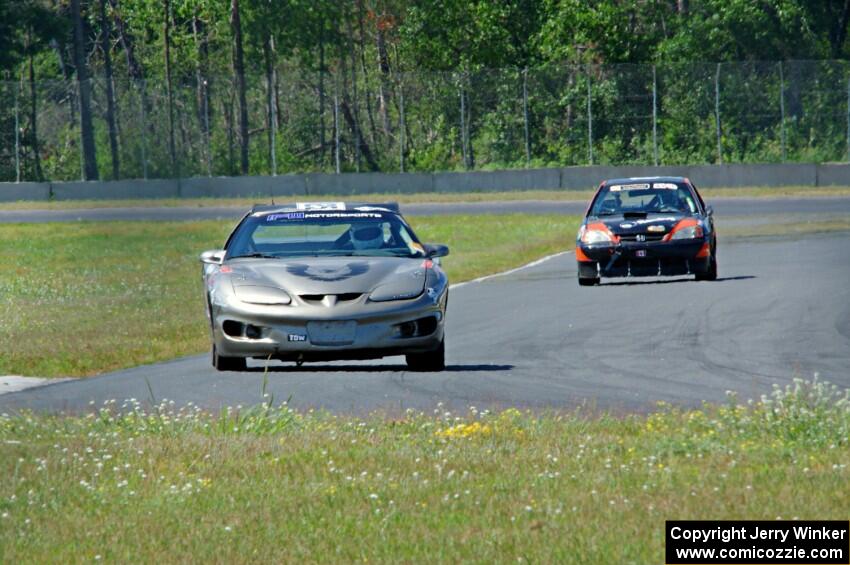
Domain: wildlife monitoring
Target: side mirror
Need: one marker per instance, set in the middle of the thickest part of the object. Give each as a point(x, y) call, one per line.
point(709, 211)
point(213, 257)
point(436, 250)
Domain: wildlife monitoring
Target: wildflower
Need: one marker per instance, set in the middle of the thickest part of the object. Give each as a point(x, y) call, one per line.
point(465, 431)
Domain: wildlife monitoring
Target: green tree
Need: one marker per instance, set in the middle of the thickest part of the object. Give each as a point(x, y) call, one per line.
point(451, 34)
point(740, 30)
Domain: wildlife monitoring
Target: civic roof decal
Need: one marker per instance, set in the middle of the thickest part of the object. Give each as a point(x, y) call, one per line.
point(637, 186)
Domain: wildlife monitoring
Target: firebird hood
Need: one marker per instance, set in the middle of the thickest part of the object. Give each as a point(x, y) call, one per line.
point(332, 275)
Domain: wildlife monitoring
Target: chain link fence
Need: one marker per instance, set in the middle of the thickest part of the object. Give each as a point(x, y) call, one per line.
point(670, 114)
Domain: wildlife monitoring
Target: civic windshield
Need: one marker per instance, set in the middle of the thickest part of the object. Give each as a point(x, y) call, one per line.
point(337, 233)
point(644, 197)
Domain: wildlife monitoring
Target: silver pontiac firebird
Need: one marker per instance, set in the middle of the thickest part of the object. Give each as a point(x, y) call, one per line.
point(325, 281)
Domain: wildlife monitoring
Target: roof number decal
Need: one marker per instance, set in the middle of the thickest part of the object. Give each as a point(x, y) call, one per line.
point(316, 206)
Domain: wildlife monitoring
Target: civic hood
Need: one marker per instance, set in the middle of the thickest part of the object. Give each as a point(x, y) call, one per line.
point(620, 225)
point(331, 275)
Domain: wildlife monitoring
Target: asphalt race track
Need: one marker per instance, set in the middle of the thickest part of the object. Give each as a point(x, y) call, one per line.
point(534, 338)
point(724, 207)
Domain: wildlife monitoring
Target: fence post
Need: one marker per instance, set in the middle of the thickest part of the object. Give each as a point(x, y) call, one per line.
point(848, 119)
point(207, 128)
point(355, 115)
point(402, 126)
point(654, 116)
point(717, 114)
point(17, 140)
point(273, 120)
point(336, 128)
point(525, 116)
point(589, 120)
point(79, 85)
point(463, 129)
point(782, 107)
point(144, 126)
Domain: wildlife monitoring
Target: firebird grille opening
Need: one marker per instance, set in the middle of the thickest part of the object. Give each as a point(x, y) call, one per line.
point(318, 298)
point(237, 329)
point(233, 329)
point(418, 328)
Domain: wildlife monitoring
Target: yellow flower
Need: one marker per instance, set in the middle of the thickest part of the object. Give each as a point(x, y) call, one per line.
point(465, 431)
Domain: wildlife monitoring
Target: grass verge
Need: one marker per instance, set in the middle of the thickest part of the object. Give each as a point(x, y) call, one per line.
point(79, 299)
point(269, 485)
point(788, 227)
point(428, 197)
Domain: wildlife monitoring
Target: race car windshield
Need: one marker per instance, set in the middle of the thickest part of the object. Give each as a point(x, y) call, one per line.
point(300, 234)
point(644, 198)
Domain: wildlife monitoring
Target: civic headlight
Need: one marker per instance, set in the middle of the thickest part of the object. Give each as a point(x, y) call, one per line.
point(596, 236)
point(688, 232)
point(266, 295)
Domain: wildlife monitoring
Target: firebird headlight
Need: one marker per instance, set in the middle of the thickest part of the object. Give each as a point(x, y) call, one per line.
point(265, 295)
point(387, 292)
point(689, 232)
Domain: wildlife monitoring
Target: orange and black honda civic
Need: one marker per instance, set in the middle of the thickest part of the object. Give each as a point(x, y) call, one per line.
point(646, 227)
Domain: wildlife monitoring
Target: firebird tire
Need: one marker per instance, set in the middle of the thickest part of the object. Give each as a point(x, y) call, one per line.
point(430, 361)
point(222, 363)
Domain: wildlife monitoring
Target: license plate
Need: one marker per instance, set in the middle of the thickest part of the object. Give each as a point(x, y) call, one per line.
point(640, 253)
point(332, 333)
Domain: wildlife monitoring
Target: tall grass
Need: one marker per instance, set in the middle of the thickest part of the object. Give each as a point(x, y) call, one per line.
point(158, 483)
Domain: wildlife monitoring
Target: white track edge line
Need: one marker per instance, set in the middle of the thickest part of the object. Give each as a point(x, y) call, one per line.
point(510, 271)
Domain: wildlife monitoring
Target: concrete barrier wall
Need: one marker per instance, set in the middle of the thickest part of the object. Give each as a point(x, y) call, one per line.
point(490, 181)
point(114, 189)
point(14, 191)
point(365, 183)
point(236, 187)
point(320, 184)
point(833, 175)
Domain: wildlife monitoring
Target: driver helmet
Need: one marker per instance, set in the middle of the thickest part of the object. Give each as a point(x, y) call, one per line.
point(670, 199)
point(366, 235)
